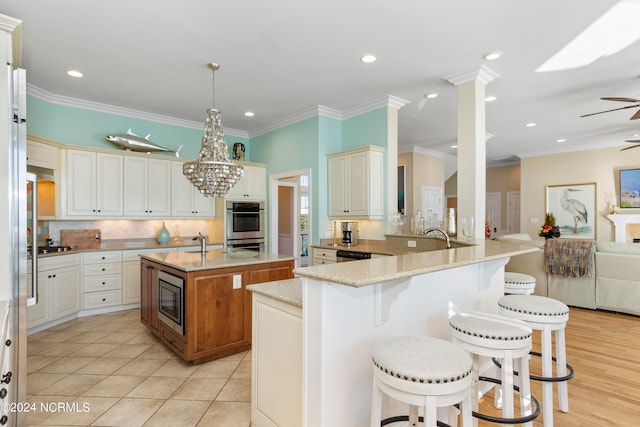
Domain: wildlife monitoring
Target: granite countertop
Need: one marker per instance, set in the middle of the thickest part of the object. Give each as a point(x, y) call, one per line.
point(130, 244)
point(214, 258)
point(288, 291)
point(371, 271)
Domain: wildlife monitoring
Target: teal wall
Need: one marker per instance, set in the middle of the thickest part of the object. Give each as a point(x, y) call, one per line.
point(301, 145)
point(76, 126)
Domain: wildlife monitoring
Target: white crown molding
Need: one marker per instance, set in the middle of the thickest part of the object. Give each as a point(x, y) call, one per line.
point(426, 151)
point(482, 74)
point(571, 149)
point(388, 101)
point(315, 111)
point(66, 101)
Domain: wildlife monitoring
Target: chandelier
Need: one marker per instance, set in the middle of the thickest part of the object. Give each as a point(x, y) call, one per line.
point(212, 173)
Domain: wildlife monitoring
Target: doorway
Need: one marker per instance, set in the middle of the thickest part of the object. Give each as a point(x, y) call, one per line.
point(290, 215)
point(513, 212)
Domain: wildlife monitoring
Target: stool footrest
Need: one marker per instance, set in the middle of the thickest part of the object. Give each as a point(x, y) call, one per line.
point(501, 420)
point(541, 378)
point(400, 418)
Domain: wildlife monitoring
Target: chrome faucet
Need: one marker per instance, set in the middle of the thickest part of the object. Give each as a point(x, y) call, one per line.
point(203, 242)
point(441, 231)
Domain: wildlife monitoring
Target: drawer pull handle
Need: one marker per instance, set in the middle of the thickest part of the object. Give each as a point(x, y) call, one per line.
point(104, 299)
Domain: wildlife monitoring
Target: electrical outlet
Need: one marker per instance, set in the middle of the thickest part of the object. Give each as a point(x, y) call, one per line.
point(237, 281)
point(411, 243)
point(150, 232)
point(534, 220)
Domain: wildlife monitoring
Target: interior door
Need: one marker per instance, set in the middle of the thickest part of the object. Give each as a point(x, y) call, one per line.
point(513, 212)
point(493, 212)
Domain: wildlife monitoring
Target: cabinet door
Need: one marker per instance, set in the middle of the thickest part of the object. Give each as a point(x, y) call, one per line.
point(255, 182)
point(65, 292)
point(81, 183)
point(42, 155)
point(136, 175)
point(237, 192)
point(159, 190)
point(131, 282)
point(39, 313)
point(338, 186)
point(181, 192)
point(358, 184)
point(149, 296)
point(109, 170)
point(204, 207)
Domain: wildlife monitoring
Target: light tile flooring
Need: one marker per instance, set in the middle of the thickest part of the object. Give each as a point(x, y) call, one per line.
point(115, 368)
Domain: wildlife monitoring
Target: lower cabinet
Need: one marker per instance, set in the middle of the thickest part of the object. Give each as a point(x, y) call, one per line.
point(323, 256)
point(217, 307)
point(59, 289)
point(102, 279)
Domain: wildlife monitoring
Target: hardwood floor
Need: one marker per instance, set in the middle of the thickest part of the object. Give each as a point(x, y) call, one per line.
point(604, 350)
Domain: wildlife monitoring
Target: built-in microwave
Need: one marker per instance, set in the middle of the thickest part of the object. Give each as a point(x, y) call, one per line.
point(171, 300)
point(245, 220)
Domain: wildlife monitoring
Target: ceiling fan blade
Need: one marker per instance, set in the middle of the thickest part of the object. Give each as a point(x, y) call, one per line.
point(629, 148)
point(621, 99)
point(637, 141)
point(636, 116)
point(615, 109)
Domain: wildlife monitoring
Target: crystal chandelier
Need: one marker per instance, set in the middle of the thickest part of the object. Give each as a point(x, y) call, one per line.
point(212, 173)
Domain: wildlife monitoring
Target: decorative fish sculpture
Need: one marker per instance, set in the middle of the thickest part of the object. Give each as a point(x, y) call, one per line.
point(131, 141)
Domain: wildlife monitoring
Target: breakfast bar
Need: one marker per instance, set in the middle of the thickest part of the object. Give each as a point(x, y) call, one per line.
point(347, 308)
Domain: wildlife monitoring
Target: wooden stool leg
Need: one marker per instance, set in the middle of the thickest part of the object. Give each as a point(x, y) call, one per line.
point(525, 388)
point(547, 371)
point(466, 418)
point(430, 413)
point(561, 368)
point(507, 385)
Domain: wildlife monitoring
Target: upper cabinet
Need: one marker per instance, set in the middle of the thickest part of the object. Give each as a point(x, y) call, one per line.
point(252, 185)
point(356, 183)
point(94, 183)
point(186, 200)
point(42, 155)
point(147, 187)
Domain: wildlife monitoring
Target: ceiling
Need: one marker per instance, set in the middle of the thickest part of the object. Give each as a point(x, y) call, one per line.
point(281, 57)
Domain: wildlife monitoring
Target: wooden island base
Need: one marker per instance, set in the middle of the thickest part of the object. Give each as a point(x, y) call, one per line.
point(217, 313)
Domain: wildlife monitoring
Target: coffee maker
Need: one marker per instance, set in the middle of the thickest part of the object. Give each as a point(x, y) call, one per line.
point(349, 233)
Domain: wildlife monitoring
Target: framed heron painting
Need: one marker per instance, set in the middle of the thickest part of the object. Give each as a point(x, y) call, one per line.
point(574, 209)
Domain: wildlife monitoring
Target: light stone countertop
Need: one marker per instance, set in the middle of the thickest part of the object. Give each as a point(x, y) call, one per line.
point(214, 258)
point(288, 291)
point(377, 270)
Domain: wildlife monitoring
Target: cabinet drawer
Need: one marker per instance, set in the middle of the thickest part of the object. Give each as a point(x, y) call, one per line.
point(102, 299)
point(95, 269)
point(101, 257)
point(172, 339)
point(102, 283)
point(320, 261)
point(58, 261)
point(328, 254)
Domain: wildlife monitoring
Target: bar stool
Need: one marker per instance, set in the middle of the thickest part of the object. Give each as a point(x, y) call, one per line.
point(546, 315)
point(499, 337)
point(518, 283)
point(421, 371)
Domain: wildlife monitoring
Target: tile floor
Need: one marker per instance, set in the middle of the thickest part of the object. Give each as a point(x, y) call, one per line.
point(117, 370)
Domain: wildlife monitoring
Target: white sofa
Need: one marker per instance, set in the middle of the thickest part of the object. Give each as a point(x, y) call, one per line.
point(615, 287)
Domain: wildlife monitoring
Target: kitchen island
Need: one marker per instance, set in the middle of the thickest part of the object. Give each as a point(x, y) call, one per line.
point(346, 309)
point(198, 304)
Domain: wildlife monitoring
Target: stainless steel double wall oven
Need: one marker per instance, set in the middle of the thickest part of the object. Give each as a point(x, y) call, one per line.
point(245, 225)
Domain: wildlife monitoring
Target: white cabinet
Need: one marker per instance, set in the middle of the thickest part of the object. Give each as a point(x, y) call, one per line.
point(252, 185)
point(186, 200)
point(42, 155)
point(321, 256)
point(102, 278)
point(94, 183)
point(356, 183)
point(131, 273)
point(147, 187)
point(59, 283)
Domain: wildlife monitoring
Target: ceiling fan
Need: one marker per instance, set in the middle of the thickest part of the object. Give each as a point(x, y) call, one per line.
point(636, 141)
point(635, 101)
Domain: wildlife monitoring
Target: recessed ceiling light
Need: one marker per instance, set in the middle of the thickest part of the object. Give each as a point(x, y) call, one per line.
point(454, 146)
point(249, 114)
point(491, 56)
point(561, 140)
point(367, 59)
point(74, 73)
point(490, 98)
point(530, 125)
point(432, 95)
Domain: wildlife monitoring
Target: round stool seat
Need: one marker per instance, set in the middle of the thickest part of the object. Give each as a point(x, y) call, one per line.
point(518, 283)
point(534, 308)
point(422, 372)
point(422, 360)
point(490, 330)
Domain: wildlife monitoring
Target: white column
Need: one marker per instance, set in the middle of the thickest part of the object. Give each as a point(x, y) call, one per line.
point(470, 86)
point(395, 104)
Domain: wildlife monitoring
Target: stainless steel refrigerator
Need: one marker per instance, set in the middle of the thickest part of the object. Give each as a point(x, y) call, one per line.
point(13, 347)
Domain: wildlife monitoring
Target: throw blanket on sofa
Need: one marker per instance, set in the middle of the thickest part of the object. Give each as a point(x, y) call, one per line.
point(570, 257)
